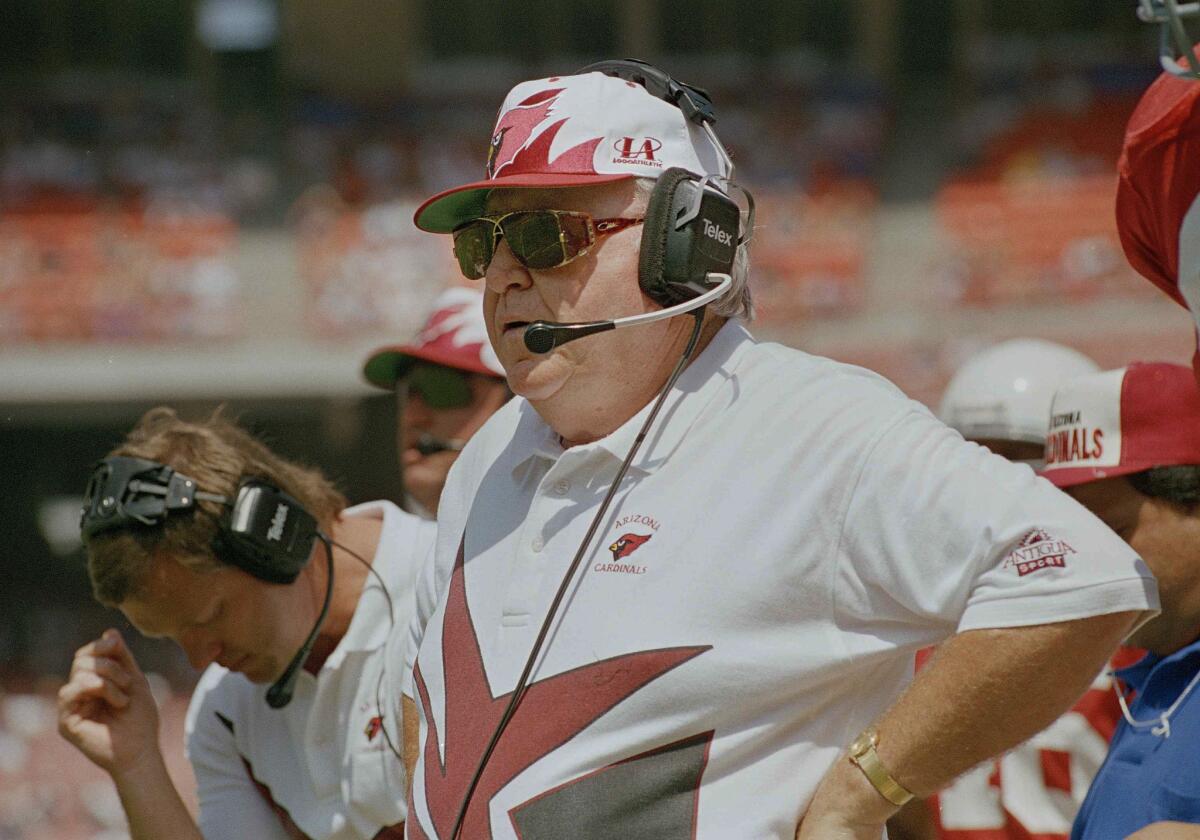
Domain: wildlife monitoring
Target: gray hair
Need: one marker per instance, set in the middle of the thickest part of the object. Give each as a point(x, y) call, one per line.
point(737, 302)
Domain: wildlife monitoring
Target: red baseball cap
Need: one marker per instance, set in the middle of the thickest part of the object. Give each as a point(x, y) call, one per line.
point(1123, 421)
point(455, 336)
point(1158, 215)
point(568, 131)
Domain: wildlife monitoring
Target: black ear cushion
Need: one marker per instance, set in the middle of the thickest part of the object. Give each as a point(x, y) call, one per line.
point(245, 556)
point(655, 230)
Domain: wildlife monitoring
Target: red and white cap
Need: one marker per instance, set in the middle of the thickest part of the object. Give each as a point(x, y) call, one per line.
point(1158, 214)
point(455, 336)
point(1123, 421)
point(568, 131)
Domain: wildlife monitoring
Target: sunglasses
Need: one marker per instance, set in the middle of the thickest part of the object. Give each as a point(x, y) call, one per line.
point(439, 387)
point(539, 239)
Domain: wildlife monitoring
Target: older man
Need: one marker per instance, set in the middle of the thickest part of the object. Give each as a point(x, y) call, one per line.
point(447, 384)
point(685, 647)
point(1126, 443)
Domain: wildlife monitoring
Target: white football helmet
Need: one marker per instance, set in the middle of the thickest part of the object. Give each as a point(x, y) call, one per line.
point(1174, 41)
point(1004, 392)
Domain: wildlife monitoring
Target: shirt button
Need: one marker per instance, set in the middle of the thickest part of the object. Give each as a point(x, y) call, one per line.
point(562, 487)
point(538, 544)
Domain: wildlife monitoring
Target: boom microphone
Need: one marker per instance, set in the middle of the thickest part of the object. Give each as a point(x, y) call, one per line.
point(280, 692)
point(428, 444)
point(543, 336)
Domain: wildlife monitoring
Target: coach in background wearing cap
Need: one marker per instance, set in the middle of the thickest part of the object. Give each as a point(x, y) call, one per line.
point(1000, 398)
point(447, 383)
point(1126, 443)
point(732, 652)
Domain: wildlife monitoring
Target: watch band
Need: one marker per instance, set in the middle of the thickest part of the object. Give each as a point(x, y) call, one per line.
point(863, 756)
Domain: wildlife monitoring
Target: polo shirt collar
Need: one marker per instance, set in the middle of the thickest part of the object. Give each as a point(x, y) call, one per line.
point(1137, 674)
point(696, 387)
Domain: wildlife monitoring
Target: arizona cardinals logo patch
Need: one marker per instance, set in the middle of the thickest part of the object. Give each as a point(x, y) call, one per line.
point(626, 544)
point(373, 728)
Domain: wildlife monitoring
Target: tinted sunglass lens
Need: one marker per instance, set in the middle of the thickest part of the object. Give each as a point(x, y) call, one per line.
point(534, 238)
point(473, 248)
point(440, 387)
point(576, 233)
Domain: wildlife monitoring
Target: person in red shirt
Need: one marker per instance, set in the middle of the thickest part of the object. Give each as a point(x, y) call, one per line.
point(1158, 215)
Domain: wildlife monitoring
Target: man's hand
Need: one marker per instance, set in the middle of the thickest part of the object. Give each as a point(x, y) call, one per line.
point(845, 807)
point(1167, 831)
point(106, 709)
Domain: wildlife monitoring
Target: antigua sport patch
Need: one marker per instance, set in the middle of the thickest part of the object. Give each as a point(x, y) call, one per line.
point(1038, 550)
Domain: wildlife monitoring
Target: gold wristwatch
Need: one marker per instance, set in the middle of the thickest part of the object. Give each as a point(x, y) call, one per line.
point(863, 755)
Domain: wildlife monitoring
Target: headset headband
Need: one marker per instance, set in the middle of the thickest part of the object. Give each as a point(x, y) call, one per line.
point(123, 491)
point(265, 531)
point(694, 102)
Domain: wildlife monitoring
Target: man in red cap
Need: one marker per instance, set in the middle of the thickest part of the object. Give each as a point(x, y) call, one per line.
point(1126, 443)
point(448, 383)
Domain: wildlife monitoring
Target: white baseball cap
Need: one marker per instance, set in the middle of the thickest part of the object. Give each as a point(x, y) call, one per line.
point(1004, 392)
point(1123, 421)
point(567, 131)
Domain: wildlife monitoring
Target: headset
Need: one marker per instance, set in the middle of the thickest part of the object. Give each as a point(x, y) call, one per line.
point(691, 231)
point(689, 241)
point(265, 532)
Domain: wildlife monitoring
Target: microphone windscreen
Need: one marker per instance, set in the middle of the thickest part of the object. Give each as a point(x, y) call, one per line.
point(280, 692)
point(539, 337)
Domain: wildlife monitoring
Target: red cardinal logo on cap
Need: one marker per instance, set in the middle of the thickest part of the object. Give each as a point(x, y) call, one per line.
point(627, 544)
point(515, 128)
point(494, 149)
point(524, 135)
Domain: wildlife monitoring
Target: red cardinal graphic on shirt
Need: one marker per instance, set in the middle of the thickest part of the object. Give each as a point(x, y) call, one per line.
point(552, 711)
point(373, 727)
point(626, 544)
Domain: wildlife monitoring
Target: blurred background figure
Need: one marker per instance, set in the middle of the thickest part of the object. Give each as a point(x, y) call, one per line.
point(448, 382)
point(1126, 444)
point(1000, 398)
point(1158, 193)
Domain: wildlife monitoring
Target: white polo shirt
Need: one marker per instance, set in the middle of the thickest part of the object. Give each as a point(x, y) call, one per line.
point(792, 532)
point(321, 765)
